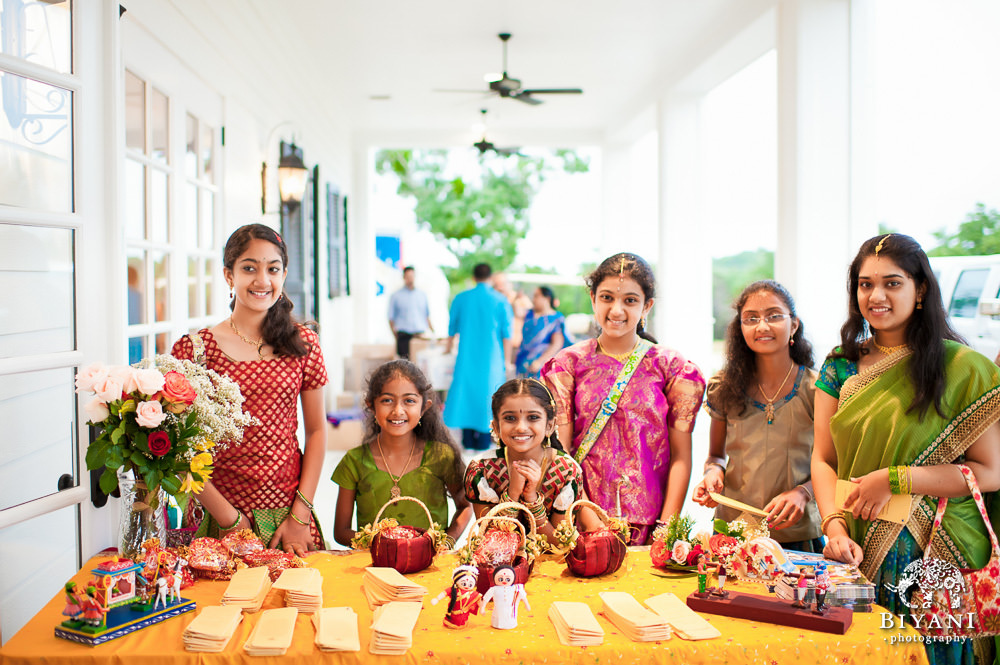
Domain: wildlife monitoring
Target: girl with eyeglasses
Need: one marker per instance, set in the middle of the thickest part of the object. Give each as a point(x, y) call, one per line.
point(761, 405)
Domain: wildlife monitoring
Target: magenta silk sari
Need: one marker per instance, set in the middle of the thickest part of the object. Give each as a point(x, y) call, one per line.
point(626, 470)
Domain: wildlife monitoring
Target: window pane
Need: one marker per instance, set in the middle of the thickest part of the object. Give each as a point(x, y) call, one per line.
point(39, 32)
point(965, 302)
point(190, 222)
point(206, 220)
point(207, 145)
point(192, 278)
point(35, 260)
point(38, 410)
point(163, 343)
point(36, 144)
point(161, 291)
point(159, 120)
point(158, 205)
point(136, 287)
point(135, 112)
point(191, 148)
point(135, 199)
point(209, 292)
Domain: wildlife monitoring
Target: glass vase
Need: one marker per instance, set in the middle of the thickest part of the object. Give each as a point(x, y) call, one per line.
point(139, 520)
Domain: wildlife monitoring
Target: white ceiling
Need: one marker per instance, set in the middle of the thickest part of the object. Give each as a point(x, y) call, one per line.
point(622, 54)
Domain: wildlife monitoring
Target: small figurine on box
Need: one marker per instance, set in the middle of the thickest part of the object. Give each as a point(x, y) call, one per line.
point(463, 599)
point(702, 575)
point(505, 596)
point(822, 586)
point(801, 589)
point(93, 609)
point(719, 590)
point(72, 610)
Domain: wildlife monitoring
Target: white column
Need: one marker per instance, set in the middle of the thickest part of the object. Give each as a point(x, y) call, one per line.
point(683, 310)
point(817, 237)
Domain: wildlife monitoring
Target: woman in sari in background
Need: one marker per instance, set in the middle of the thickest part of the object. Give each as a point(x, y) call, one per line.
point(900, 404)
point(543, 334)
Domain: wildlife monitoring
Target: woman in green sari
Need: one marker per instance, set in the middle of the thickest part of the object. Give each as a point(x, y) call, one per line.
point(900, 403)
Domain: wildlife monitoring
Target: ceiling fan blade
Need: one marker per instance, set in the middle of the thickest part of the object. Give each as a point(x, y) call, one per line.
point(552, 91)
point(478, 92)
point(525, 97)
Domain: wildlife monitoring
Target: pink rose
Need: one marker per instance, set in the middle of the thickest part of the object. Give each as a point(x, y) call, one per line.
point(149, 414)
point(680, 551)
point(96, 411)
point(126, 376)
point(108, 389)
point(149, 381)
point(177, 392)
point(89, 375)
point(159, 443)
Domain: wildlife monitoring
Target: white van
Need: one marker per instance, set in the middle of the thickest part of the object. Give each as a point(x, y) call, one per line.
point(970, 290)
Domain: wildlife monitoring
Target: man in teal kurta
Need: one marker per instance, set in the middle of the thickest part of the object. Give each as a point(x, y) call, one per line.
point(481, 318)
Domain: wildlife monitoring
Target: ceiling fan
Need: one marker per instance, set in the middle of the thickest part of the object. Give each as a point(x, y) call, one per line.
point(484, 145)
point(510, 88)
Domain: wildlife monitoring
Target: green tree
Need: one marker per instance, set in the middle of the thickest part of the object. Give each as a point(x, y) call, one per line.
point(978, 234)
point(730, 275)
point(481, 218)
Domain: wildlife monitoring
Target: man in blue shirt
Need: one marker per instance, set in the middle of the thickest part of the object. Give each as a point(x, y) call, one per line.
point(409, 314)
point(481, 318)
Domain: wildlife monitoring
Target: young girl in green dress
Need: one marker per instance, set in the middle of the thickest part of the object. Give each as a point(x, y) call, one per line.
point(407, 451)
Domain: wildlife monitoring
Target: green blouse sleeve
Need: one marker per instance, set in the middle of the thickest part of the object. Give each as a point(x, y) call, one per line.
point(833, 373)
point(348, 471)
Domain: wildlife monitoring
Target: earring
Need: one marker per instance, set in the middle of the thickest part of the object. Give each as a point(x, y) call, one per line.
point(920, 303)
point(231, 294)
point(642, 322)
point(791, 342)
point(493, 435)
point(420, 421)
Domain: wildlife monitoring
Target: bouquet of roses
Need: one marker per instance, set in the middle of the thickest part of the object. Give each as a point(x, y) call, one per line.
point(163, 419)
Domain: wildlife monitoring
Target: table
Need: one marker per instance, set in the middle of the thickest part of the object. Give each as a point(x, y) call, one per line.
point(534, 639)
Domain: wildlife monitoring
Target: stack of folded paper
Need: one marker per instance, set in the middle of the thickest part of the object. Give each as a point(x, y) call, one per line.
point(273, 634)
point(248, 588)
point(336, 629)
point(303, 588)
point(392, 628)
point(685, 622)
point(575, 624)
point(635, 621)
point(212, 629)
point(386, 585)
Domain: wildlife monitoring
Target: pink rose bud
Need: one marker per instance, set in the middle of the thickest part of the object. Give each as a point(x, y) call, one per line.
point(89, 375)
point(149, 414)
point(108, 389)
point(96, 411)
point(149, 381)
point(126, 375)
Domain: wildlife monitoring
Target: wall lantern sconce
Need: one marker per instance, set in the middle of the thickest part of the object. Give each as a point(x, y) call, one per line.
point(292, 179)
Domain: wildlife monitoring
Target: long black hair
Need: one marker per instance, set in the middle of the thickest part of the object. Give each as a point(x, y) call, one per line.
point(927, 329)
point(741, 366)
point(538, 391)
point(430, 426)
point(624, 264)
point(279, 328)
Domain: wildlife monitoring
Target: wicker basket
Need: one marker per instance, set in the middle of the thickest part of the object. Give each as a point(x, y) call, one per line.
point(598, 552)
point(406, 555)
point(523, 561)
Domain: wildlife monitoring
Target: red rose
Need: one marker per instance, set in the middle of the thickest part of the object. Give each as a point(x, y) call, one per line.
point(660, 553)
point(159, 443)
point(177, 392)
point(692, 559)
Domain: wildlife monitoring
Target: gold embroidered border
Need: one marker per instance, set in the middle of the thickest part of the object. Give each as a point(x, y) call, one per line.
point(854, 384)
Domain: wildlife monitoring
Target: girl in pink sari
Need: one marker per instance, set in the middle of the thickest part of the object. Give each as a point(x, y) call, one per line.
point(636, 464)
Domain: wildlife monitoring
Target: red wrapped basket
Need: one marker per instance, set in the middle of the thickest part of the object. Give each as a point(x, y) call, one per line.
point(599, 552)
point(522, 562)
point(408, 549)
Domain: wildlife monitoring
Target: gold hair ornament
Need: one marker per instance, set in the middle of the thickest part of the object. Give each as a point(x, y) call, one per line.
point(881, 243)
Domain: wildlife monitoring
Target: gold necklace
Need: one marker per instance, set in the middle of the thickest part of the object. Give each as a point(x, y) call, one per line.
point(889, 350)
point(259, 344)
point(620, 357)
point(769, 407)
point(395, 491)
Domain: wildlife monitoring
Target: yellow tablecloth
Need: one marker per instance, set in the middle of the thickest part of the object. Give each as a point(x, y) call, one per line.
point(533, 641)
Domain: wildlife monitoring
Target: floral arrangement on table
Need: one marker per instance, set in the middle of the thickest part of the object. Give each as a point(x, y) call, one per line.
point(673, 546)
point(163, 419)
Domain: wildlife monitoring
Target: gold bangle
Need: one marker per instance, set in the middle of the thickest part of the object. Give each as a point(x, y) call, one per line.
point(239, 518)
point(295, 517)
point(839, 515)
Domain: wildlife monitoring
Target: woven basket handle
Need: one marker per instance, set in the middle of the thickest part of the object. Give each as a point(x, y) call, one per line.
point(513, 505)
point(430, 520)
point(579, 503)
point(501, 518)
